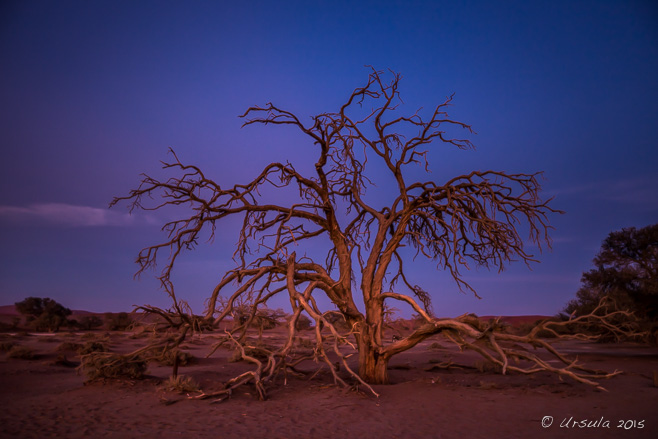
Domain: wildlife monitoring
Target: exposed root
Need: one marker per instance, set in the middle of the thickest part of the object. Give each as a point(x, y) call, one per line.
point(521, 354)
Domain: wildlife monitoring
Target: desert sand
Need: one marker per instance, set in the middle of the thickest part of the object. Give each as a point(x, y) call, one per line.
point(43, 398)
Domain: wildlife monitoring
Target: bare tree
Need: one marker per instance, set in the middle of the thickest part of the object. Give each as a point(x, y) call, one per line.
point(473, 218)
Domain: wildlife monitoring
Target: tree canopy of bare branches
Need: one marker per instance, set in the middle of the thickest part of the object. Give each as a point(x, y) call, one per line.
point(468, 219)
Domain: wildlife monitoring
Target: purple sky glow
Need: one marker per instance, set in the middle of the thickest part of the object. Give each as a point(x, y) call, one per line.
point(92, 93)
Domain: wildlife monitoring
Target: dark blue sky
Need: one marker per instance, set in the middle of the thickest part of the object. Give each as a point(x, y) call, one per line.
point(93, 93)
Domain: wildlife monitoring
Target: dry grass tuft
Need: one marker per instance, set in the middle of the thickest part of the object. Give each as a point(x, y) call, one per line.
point(141, 332)
point(166, 357)
point(303, 342)
point(49, 339)
point(69, 346)
point(404, 366)
point(92, 346)
point(61, 360)
point(21, 352)
point(196, 341)
point(104, 365)
point(486, 366)
point(6, 346)
point(181, 384)
point(102, 338)
point(260, 353)
point(488, 385)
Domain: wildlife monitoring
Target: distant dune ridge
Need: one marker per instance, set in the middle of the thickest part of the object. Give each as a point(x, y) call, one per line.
point(516, 320)
point(8, 312)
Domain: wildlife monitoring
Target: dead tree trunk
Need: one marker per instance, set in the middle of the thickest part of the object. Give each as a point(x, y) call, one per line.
point(373, 367)
point(468, 219)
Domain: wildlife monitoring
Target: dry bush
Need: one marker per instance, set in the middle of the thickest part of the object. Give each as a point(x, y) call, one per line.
point(49, 339)
point(401, 325)
point(590, 331)
point(403, 366)
point(486, 366)
point(162, 337)
point(196, 342)
point(143, 330)
point(181, 384)
point(118, 322)
point(102, 338)
point(522, 329)
point(167, 356)
point(304, 342)
point(303, 323)
point(69, 346)
point(6, 346)
point(6, 327)
point(258, 352)
point(92, 346)
point(235, 357)
point(90, 322)
point(61, 360)
point(337, 320)
point(107, 365)
point(21, 352)
point(488, 385)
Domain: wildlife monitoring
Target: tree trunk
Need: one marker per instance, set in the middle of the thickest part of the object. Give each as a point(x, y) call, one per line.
point(373, 368)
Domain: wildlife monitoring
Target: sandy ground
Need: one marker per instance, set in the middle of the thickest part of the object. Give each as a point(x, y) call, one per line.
point(40, 399)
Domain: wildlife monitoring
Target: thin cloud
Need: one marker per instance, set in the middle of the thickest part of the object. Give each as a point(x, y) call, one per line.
point(66, 214)
point(573, 190)
point(639, 190)
point(636, 191)
point(527, 278)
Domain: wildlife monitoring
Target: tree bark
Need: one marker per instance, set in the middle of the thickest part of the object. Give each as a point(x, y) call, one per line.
point(373, 367)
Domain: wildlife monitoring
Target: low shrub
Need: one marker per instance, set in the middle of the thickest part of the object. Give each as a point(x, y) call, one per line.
point(92, 346)
point(118, 322)
point(107, 365)
point(181, 384)
point(166, 357)
point(21, 352)
point(304, 342)
point(61, 360)
point(69, 346)
point(337, 320)
point(6, 346)
point(487, 366)
point(88, 323)
point(49, 339)
point(304, 323)
point(141, 331)
point(256, 352)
